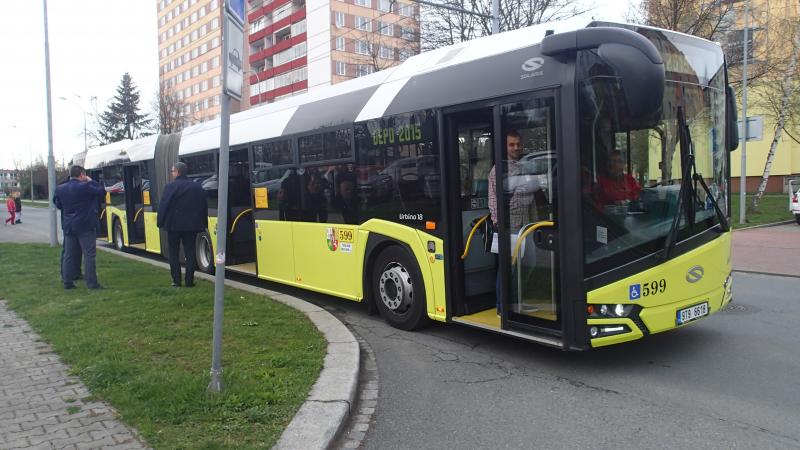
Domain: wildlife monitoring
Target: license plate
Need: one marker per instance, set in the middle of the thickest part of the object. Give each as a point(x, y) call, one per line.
point(692, 313)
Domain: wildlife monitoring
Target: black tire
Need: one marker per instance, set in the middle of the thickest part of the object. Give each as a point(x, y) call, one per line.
point(797, 218)
point(204, 253)
point(118, 239)
point(398, 290)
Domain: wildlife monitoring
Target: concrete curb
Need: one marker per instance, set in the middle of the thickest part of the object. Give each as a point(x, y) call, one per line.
point(323, 415)
point(767, 225)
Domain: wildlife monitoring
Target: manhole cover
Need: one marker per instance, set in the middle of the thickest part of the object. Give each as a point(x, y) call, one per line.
point(735, 307)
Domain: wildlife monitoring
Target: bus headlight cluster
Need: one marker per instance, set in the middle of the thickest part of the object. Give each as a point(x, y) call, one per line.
point(609, 311)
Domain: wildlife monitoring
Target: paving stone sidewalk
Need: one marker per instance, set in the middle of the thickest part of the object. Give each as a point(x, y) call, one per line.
point(41, 407)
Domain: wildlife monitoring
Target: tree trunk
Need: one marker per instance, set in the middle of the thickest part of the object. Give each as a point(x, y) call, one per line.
point(788, 89)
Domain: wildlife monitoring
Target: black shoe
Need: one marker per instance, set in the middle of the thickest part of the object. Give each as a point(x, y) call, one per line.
point(69, 286)
point(174, 284)
point(19, 221)
point(189, 283)
point(98, 287)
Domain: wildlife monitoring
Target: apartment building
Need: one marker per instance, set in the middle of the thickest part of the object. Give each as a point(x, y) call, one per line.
point(189, 39)
point(291, 46)
point(297, 45)
point(8, 180)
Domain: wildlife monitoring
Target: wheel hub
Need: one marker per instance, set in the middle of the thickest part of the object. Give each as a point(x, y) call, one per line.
point(396, 290)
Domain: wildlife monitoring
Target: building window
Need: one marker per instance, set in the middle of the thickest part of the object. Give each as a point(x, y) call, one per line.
point(386, 29)
point(299, 27)
point(403, 55)
point(386, 52)
point(362, 47)
point(340, 44)
point(364, 3)
point(409, 34)
point(341, 68)
point(385, 5)
point(363, 69)
point(215, 62)
point(339, 19)
point(363, 23)
point(406, 10)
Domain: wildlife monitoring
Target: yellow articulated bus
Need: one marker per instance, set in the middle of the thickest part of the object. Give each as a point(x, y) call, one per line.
point(566, 183)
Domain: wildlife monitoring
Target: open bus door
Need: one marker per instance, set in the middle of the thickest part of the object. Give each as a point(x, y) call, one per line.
point(505, 273)
point(134, 205)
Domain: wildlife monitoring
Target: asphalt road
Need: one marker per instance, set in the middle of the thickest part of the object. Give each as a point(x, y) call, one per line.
point(729, 381)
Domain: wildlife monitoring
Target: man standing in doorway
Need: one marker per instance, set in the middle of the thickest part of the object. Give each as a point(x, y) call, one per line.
point(182, 212)
point(519, 194)
point(77, 200)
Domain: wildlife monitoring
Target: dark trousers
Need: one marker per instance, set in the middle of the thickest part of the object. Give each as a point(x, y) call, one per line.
point(174, 241)
point(75, 246)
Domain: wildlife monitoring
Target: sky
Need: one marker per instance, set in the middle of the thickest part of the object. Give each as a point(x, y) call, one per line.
point(92, 44)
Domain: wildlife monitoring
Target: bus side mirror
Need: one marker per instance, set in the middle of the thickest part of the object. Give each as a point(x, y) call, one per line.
point(731, 120)
point(641, 82)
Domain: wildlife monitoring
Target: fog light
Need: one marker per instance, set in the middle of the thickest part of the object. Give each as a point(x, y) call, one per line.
point(593, 332)
point(603, 310)
point(609, 330)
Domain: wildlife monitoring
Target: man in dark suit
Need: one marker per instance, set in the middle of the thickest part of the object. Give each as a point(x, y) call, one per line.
point(182, 212)
point(77, 199)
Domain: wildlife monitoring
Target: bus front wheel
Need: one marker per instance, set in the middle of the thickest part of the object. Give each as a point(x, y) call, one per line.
point(398, 290)
point(204, 253)
point(119, 241)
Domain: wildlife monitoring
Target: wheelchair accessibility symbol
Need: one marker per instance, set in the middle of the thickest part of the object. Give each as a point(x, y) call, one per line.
point(635, 291)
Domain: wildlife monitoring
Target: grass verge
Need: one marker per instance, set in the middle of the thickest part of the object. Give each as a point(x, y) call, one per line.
point(772, 208)
point(145, 347)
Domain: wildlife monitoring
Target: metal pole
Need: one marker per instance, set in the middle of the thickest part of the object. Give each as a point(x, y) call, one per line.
point(743, 168)
point(222, 223)
point(495, 16)
point(51, 162)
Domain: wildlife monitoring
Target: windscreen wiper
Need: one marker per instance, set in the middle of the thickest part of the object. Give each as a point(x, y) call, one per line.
point(689, 174)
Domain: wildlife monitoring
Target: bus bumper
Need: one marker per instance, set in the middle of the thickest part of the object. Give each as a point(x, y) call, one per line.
point(658, 319)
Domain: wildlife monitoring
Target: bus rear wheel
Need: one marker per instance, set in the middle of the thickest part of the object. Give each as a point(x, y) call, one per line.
point(119, 241)
point(204, 253)
point(797, 218)
point(398, 290)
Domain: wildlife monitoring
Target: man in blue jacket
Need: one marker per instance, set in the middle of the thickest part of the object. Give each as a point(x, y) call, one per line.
point(78, 199)
point(182, 212)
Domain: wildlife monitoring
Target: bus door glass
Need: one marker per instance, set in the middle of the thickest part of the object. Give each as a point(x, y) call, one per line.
point(527, 191)
point(472, 141)
point(240, 211)
point(134, 204)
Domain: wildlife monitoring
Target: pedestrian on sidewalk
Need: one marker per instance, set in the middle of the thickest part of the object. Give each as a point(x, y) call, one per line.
point(12, 210)
point(77, 199)
point(18, 203)
point(183, 212)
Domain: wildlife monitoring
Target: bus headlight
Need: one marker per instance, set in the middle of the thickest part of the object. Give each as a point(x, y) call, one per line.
point(609, 311)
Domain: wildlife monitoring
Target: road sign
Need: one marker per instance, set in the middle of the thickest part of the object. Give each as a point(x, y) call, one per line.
point(755, 128)
point(236, 9)
point(234, 58)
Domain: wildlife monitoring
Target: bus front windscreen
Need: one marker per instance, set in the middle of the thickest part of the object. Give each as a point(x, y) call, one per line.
point(632, 177)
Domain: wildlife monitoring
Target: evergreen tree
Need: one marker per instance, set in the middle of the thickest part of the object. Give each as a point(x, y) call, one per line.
point(122, 119)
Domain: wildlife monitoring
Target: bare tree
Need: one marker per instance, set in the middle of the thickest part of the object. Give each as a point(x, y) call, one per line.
point(170, 110)
point(783, 112)
point(385, 50)
point(462, 20)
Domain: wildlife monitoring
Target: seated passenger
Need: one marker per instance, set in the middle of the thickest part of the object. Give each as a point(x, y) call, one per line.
point(616, 186)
